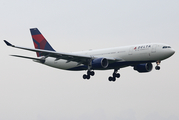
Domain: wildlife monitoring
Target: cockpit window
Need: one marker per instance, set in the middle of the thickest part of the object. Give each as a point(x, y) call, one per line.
point(166, 47)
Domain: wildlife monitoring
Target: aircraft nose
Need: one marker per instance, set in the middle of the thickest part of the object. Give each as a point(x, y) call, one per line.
point(172, 51)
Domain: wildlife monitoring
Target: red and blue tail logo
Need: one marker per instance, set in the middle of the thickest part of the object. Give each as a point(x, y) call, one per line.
point(39, 41)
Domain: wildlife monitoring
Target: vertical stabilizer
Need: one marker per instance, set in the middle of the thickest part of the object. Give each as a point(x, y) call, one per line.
point(39, 41)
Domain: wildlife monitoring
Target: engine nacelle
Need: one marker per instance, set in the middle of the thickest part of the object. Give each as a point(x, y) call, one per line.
point(99, 63)
point(146, 67)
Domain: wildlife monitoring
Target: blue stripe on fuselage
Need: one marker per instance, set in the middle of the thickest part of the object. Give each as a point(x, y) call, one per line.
point(114, 65)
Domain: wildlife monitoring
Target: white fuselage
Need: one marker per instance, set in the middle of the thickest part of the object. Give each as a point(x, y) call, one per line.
point(150, 52)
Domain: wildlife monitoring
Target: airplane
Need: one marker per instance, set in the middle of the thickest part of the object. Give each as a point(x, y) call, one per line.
point(140, 57)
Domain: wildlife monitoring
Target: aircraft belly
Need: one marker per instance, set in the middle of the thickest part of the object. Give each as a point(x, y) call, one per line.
point(61, 64)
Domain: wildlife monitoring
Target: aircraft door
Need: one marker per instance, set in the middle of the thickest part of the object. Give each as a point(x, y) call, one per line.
point(153, 48)
point(130, 50)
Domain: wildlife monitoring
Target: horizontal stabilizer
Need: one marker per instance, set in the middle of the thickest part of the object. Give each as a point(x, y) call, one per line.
point(38, 59)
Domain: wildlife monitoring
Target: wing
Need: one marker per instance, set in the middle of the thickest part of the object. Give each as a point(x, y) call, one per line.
point(81, 59)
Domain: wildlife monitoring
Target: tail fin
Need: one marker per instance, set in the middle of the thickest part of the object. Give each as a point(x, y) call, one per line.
point(39, 41)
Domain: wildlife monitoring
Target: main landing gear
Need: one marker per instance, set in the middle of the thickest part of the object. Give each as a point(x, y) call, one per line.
point(158, 67)
point(89, 73)
point(114, 75)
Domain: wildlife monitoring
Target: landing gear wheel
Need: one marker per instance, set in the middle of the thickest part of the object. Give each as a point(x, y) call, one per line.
point(110, 78)
point(114, 79)
point(118, 75)
point(88, 77)
point(84, 76)
point(92, 73)
point(157, 67)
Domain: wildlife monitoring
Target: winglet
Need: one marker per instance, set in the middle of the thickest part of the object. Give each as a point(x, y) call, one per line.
point(8, 44)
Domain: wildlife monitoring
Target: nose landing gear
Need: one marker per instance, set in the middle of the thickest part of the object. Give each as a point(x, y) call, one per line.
point(158, 63)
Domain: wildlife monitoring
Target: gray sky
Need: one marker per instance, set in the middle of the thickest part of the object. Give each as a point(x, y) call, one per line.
point(31, 91)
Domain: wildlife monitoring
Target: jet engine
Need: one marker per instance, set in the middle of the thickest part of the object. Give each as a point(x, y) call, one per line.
point(146, 67)
point(99, 63)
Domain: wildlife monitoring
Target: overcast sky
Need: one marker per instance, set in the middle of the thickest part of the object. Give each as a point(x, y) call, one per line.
point(31, 91)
